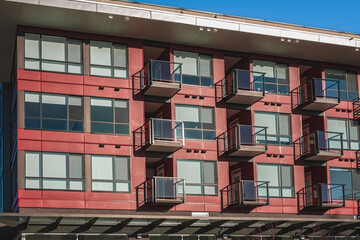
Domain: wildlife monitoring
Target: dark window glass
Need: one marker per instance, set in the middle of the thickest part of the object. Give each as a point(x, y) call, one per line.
point(347, 83)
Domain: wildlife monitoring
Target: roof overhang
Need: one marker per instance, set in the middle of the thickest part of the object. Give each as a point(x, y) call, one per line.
point(178, 26)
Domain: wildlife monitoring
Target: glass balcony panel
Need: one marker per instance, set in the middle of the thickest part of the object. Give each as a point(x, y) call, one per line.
point(166, 129)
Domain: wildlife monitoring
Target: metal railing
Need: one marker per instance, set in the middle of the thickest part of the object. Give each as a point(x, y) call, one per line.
point(322, 195)
point(160, 71)
point(357, 160)
point(164, 189)
point(313, 142)
point(246, 191)
point(157, 129)
point(246, 135)
point(315, 88)
point(356, 109)
point(245, 80)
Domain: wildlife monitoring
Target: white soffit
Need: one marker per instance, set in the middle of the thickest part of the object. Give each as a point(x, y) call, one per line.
point(200, 21)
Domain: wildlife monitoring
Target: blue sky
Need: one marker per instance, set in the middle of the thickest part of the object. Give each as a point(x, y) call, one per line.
point(340, 15)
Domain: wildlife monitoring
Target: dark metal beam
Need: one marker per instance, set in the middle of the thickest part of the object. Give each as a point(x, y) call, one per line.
point(86, 226)
point(210, 227)
point(51, 227)
point(181, 227)
point(240, 226)
point(148, 228)
point(119, 227)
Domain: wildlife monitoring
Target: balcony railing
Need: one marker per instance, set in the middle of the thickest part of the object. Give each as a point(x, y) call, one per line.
point(322, 195)
point(161, 78)
point(246, 140)
point(246, 193)
point(316, 94)
point(358, 206)
point(164, 190)
point(163, 135)
point(356, 109)
point(244, 87)
point(357, 160)
point(319, 145)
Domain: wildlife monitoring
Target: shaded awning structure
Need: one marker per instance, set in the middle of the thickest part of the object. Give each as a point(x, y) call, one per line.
point(147, 225)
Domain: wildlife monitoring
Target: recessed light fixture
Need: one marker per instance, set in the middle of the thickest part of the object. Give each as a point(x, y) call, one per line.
point(289, 40)
point(208, 29)
point(283, 40)
point(111, 16)
point(356, 49)
point(126, 19)
point(215, 30)
point(201, 28)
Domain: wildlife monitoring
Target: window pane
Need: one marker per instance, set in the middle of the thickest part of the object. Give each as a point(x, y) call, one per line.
point(32, 164)
point(341, 176)
point(122, 187)
point(351, 79)
point(122, 168)
point(284, 124)
point(32, 64)
point(102, 127)
point(188, 60)
point(75, 108)
point(356, 180)
point(268, 120)
point(337, 74)
point(120, 56)
point(354, 130)
point(193, 189)
point(77, 185)
point(210, 190)
point(265, 67)
point(74, 51)
point(210, 173)
point(32, 105)
point(338, 125)
point(54, 184)
point(53, 66)
point(205, 66)
point(32, 43)
point(121, 111)
point(100, 53)
point(208, 118)
point(100, 71)
point(54, 106)
point(33, 183)
point(74, 68)
point(268, 173)
point(102, 186)
point(187, 113)
point(54, 165)
point(282, 74)
point(120, 73)
point(52, 124)
point(76, 166)
point(102, 167)
point(191, 170)
point(286, 176)
point(102, 110)
point(53, 48)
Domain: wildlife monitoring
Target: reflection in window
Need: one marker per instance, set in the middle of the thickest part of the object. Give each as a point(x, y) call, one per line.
point(350, 133)
point(53, 54)
point(276, 76)
point(278, 128)
point(108, 59)
point(109, 116)
point(196, 68)
point(280, 177)
point(110, 173)
point(347, 83)
point(61, 171)
point(199, 122)
point(201, 176)
point(53, 112)
point(350, 178)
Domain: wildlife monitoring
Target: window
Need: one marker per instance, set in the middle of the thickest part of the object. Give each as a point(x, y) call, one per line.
point(108, 59)
point(196, 68)
point(110, 173)
point(200, 176)
point(350, 178)
point(347, 83)
point(59, 171)
point(109, 116)
point(53, 54)
point(276, 76)
point(280, 177)
point(278, 128)
point(199, 122)
point(53, 112)
point(350, 133)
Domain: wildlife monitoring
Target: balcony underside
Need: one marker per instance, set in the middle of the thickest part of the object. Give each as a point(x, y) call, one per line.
point(320, 104)
point(164, 146)
point(321, 156)
point(162, 89)
point(247, 151)
point(169, 201)
point(326, 206)
point(245, 97)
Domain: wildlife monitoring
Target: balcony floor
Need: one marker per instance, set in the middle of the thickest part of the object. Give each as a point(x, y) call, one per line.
point(162, 89)
point(320, 104)
point(164, 146)
point(245, 97)
point(247, 151)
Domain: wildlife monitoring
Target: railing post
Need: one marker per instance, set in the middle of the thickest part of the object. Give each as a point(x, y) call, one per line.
point(241, 191)
point(145, 191)
point(230, 194)
point(267, 193)
point(149, 72)
point(343, 196)
point(151, 129)
point(184, 194)
point(183, 132)
point(154, 198)
point(319, 194)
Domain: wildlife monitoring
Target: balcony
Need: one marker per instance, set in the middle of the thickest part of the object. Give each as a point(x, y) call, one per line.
point(246, 193)
point(246, 141)
point(319, 146)
point(244, 87)
point(164, 190)
point(161, 78)
point(316, 95)
point(322, 195)
point(163, 135)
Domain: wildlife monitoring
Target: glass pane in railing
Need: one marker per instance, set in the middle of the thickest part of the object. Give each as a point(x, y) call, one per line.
point(332, 88)
point(163, 130)
point(318, 88)
point(246, 135)
point(334, 141)
point(235, 192)
point(250, 191)
point(243, 79)
point(165, 188)
point(178, 126)
point(161, 71)
point(322, 141)
point(337, 194)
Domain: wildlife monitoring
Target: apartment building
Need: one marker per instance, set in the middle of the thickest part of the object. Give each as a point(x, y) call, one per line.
point(123, 120)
